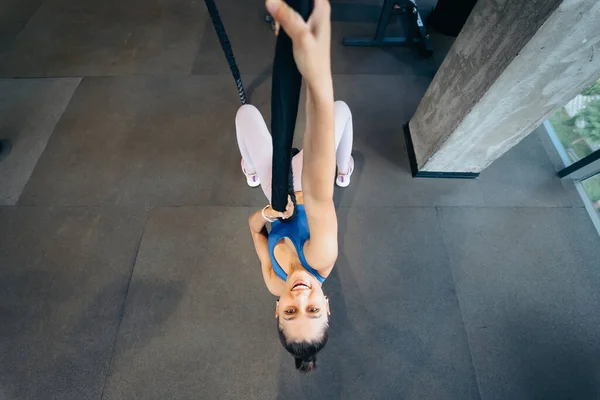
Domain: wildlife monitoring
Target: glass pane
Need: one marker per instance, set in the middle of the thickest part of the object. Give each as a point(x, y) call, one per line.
point(577, 124)
point(592, 189)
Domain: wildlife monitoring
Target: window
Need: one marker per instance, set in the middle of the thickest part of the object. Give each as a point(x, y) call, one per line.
point(577, 124)
point(575, 132)
point(591, 186)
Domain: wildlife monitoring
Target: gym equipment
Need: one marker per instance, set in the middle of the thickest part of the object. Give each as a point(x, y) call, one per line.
point(226, 46)
point(416, 33)
point(285, 98)
point(449, 16)
point(271, 21)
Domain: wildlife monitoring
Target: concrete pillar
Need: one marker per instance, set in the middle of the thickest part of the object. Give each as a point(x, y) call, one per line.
point(514, 63)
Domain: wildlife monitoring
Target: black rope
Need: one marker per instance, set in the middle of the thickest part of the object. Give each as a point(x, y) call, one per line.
point(226, 46)
point(285, 98)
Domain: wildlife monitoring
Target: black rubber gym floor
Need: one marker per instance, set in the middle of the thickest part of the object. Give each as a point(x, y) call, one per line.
point(127, 270)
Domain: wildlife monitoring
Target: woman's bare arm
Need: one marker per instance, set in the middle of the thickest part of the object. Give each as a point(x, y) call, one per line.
point(318, 176)
point(260, 236)
point(318, 170)
point(312, 47)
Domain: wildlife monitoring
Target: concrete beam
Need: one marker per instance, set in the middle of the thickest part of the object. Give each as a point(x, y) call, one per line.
point(514, 63)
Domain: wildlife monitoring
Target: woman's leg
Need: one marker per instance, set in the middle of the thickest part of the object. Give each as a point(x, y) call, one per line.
point(343, 145)
point(256, 146)
point(297, 171)
point(343, 136)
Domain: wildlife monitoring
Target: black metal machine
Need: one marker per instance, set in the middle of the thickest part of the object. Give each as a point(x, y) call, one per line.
point(416, 33)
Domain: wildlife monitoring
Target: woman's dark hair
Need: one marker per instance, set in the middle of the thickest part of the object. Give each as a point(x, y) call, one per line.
point(305, 353)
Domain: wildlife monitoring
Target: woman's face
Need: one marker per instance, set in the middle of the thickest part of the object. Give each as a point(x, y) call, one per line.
point(302, 309)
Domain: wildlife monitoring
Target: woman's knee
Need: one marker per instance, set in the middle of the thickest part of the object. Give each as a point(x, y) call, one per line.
point(341, 109)
point(247, 113)
point(342, 120)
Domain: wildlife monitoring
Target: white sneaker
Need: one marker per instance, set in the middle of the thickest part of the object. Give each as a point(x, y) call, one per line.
point(343, 180)
point(251, 178)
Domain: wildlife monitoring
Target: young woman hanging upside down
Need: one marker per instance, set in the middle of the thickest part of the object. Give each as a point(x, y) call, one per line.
point(297, 256)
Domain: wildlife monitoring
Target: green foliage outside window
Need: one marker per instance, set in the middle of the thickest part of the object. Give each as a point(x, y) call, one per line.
point(592, 90)
point(580, 134)
point(590, 118)
point(565, 130)
point(592, 188)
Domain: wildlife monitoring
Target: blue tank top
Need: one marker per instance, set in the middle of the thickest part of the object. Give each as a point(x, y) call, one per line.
point(297, 231)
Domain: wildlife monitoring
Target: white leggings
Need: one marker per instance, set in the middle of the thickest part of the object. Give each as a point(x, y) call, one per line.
point(256, 146)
